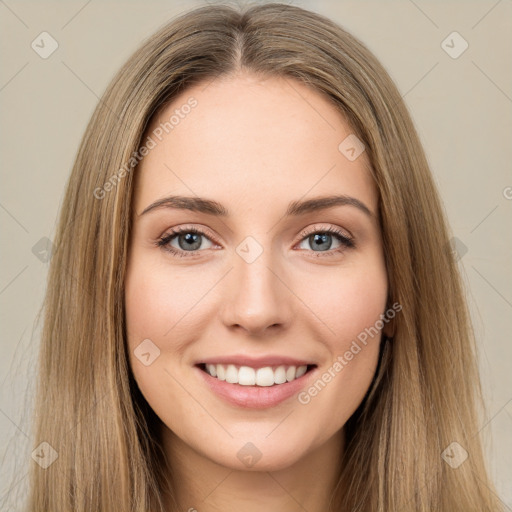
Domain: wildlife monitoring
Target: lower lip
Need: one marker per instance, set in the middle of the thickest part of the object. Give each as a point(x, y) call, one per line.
point(255, 397)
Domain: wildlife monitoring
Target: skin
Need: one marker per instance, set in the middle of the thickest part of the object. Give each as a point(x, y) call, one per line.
point(254, 145)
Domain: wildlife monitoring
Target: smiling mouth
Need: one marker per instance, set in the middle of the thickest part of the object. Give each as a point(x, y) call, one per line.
point(266, 376)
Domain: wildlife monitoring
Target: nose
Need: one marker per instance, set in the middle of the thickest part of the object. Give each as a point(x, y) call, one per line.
point(257, 297)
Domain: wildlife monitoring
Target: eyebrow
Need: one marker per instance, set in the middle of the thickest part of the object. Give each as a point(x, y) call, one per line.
point(295, 208)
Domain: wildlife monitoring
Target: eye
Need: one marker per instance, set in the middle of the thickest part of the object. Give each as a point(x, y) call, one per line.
point(322, 239)
point(188, 240)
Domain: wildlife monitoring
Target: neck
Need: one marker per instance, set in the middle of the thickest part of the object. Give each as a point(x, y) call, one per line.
point(201, 485)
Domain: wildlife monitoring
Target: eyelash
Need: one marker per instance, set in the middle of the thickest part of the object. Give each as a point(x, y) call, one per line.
point(346, 241)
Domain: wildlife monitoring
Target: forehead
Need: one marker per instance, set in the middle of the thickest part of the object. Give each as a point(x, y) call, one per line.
point(251, 142)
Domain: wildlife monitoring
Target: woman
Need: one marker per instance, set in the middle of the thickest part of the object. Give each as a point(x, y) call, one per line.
point(199, 352)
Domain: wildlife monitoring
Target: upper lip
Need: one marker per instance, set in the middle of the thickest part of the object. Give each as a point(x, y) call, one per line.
point(256, 362)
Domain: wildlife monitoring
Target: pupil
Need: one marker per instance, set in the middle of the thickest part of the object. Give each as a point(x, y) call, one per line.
point(191, 239)
point(320, 239)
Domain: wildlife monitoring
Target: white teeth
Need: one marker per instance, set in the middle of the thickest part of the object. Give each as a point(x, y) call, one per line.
point(212, 370)
point(221, 372)
point(290, 373)
point(247, 376)
point(301, 370)
point(231, 374)
point(265, 376)
point(280, 375)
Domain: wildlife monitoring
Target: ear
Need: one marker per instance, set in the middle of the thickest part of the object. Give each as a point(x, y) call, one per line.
point(389, 329)
point(392, 309)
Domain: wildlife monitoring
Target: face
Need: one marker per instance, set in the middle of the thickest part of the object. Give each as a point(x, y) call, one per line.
point(247, 301)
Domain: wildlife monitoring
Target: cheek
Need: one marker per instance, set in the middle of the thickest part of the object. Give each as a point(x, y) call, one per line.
point(348, 301)
point(160, 307)
point(154, 306)
point(351, 303)
point(151, 312)
point(157, 303)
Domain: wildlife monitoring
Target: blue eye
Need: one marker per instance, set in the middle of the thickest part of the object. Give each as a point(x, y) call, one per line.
point(190, 240)
point(322, 240)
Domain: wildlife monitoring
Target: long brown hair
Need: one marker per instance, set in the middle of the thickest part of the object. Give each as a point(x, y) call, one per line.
point(426, 392)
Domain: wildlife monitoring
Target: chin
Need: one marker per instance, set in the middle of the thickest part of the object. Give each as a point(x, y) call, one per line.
point(249, 458)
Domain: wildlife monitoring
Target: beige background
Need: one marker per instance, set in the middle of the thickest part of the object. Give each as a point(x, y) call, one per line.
point(462, 108)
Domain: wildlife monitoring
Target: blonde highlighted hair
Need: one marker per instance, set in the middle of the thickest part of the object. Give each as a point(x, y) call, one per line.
point(425, 394)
